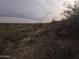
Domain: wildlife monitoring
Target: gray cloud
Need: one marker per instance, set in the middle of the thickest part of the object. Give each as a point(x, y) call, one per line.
point(28, 9)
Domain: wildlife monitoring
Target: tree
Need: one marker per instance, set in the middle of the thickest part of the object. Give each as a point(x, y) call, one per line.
point(53, 21)
point(72, 10)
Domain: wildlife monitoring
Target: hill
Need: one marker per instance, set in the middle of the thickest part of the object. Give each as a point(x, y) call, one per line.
point(58, 40)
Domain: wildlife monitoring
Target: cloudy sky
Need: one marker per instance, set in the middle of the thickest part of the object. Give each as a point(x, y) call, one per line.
point(29, 10)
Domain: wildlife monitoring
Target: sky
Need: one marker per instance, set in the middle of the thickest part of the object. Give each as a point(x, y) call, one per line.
point(30, 10)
